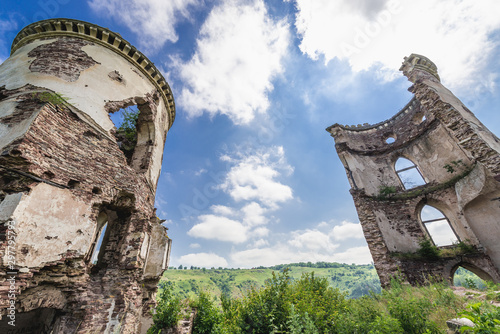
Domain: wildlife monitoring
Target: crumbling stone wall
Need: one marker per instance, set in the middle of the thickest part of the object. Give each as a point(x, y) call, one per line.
point(63, 177)
point(433, 130)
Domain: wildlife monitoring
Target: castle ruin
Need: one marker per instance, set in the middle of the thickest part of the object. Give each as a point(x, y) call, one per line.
point(81, 247)
point(429, 176)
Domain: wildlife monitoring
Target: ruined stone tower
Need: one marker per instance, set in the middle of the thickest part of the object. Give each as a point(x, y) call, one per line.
point(431, 172)
point(81, 247)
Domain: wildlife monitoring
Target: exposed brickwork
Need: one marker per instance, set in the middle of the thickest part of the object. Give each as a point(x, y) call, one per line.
point(61, 144)
point(63, 58)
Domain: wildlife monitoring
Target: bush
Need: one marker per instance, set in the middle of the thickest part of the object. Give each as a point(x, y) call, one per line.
point(413, 315)
point(485, 321)
point(168, 311)
point(208, 314)
point(428, 250)
point(309, 305)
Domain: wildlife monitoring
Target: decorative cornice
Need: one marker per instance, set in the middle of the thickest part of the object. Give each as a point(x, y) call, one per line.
point(384, 124)
point(104, 37)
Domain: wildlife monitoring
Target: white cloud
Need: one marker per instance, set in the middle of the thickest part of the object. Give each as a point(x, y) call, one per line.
point(454, 34)
point(219, 228)
point(312, 240)
point(194, 246)
point(254, 214)
point(238, 54)
point(153, 20)
point(254, 177)
point(260, 243)
point(260, 232)
point(256, 172)
point(223, 210)
point(206, 260)
point(200, 172)
point(281, 254)
point(357, 255)
point(262, 257)
point(347, 231)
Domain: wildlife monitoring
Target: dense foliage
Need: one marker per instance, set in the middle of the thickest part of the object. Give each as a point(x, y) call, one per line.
point(168, 310)
point(311, 305)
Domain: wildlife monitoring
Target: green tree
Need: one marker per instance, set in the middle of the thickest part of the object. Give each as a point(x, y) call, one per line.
point(168, 310)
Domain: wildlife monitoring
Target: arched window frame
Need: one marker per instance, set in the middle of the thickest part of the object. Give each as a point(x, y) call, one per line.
point(405, 184)
point(443, 218)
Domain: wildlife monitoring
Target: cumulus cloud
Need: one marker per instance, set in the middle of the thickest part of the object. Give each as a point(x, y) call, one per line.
point(206, 260)
point(254, 214)
point(238, 53)
point(153, 20)
point(357, 255)
point(260, 232)
point(347, 230)
point(381, 33)
point(281, 253)
point(312, 240)
point(320, 244)
point(219, 228)
point(252, 181)
point(223, 210)
point(253, 177)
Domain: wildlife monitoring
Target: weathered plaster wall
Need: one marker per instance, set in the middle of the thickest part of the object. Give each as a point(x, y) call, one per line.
point(51, 222)
point(433, 130)
point(63, 177)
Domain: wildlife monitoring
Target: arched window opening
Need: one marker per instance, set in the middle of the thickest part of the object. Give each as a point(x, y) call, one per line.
point(125, 121)
point(408, 173)
point(438, 227)
point(468, 279)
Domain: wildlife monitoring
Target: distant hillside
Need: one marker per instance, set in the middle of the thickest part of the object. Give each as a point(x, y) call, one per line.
point(356, 280)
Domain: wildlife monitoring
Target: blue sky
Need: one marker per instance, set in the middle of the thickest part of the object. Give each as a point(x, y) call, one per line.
point(250, 176)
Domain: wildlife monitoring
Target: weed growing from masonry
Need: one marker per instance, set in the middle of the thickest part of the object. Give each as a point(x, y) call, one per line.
point(50, 97)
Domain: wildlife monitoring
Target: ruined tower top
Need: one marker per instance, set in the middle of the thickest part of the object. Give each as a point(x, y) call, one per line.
point(418, 62)
point(63, 27)
point(104, 37)
point(98, 73)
